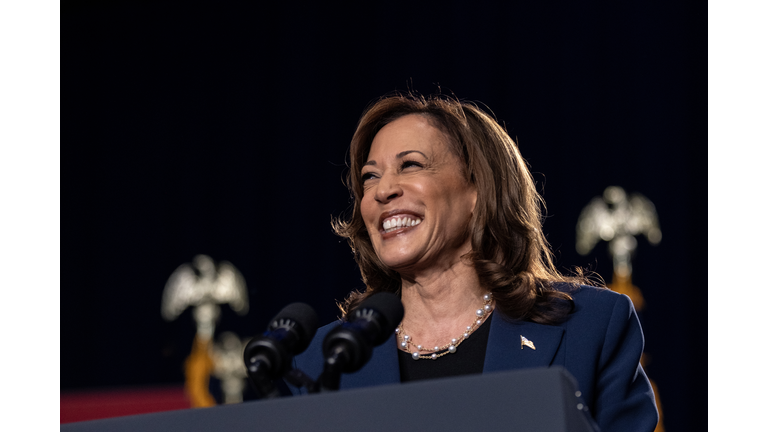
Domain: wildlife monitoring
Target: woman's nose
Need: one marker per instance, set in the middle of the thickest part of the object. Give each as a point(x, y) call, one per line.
point(388, 189)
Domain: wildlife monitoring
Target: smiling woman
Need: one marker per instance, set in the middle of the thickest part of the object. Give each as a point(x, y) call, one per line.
point(409, 149)
point(447, 216)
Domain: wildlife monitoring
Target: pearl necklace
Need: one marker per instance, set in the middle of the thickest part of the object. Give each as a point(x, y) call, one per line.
point(406, 341)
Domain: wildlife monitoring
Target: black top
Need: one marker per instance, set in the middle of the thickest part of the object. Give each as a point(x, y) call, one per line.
point(468, 359)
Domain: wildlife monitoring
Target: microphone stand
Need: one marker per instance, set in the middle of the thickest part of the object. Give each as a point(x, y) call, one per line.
point(261, 383)
point(298, 378)
point(328, 381)
point(331, 377)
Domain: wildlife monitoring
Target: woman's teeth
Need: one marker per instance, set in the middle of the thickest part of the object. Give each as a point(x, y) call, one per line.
point(400, 222)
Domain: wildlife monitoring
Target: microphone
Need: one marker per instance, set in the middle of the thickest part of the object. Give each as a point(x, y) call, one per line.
point(349, 346)
point(268, 357)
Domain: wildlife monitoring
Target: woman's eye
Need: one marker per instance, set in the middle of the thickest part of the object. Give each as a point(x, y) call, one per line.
point(408, 164)
point(367, 176)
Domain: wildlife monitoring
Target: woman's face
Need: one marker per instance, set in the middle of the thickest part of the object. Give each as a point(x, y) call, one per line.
point(416, 203)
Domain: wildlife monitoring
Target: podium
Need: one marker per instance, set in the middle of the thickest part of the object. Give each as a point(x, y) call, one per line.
point(529, 400)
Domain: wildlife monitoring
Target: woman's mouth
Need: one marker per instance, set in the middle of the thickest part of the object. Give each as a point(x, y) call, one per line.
point(399, 221)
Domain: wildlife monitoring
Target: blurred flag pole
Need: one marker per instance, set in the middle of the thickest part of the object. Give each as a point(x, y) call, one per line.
point(617, 219)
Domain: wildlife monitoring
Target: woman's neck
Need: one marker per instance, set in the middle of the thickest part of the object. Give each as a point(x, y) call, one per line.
point(439, 305)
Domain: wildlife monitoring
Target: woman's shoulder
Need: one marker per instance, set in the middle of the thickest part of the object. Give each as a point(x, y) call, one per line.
point(587, 294)
point(593, 303)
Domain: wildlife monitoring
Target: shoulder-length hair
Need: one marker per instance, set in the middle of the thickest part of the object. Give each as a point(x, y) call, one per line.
point(509, 251)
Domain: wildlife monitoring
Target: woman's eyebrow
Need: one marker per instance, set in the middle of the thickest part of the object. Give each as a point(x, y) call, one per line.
point(399, 156)
point(403, 153)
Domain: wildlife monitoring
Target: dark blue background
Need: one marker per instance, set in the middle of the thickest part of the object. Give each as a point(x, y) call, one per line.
point(223, 130)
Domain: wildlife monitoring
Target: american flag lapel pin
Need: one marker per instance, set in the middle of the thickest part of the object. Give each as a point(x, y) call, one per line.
point(524, 342)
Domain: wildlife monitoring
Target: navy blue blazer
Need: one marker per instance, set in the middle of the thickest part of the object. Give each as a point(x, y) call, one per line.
point(600, 345)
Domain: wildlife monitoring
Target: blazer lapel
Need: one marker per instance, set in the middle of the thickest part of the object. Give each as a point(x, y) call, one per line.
point(505, 350)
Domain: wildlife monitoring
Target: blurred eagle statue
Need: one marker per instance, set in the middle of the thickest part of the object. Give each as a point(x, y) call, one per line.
point(617, 220)
point(204, 286)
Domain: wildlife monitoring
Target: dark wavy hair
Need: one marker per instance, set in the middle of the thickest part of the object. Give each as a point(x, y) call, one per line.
point(509, 251)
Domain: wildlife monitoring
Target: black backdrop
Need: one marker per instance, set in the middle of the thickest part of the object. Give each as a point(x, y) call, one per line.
point(223, 130)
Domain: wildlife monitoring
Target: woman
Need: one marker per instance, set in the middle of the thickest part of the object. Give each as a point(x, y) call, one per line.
point(447, 215)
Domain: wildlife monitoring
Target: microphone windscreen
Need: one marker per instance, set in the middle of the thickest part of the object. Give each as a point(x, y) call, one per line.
point(390, 308)
point(305, 319)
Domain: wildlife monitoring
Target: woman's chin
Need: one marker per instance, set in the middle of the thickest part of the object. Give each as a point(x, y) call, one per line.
point(398, 264)
point(400, 261)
